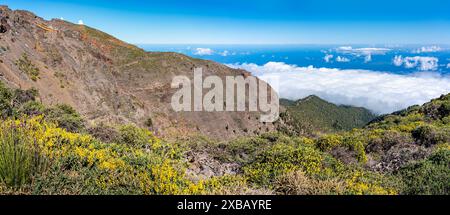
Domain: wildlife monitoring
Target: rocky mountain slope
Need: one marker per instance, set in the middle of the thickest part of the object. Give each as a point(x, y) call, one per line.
point(108, 80)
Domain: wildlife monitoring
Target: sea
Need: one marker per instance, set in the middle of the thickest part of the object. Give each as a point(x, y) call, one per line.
point(381, 78)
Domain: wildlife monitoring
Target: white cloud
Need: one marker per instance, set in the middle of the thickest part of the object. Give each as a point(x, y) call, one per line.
point(224, 53)
point(342, 59)
point(427, 49)
point(380, 92)
point(345, 48)
point(398, 60)
point(203, 51)
point(80, 22)
point(422, 63)
point(448, 65)
point(365, 52)
point(362, 51)
point(328, 57)
point(367, 58)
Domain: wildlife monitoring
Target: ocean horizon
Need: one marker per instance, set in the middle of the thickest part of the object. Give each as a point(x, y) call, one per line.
point(382, 78)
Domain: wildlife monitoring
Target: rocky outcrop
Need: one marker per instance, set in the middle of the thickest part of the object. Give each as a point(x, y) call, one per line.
point(4, 27)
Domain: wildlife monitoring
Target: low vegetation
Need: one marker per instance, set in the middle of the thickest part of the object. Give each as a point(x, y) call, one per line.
point(313, 115)
point(26, 66)
point(49, 150)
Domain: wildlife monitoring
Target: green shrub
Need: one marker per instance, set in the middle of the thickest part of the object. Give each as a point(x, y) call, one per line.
point(351, 141)
point(32, 108)
point(328, 142)
point(444, 110)
point(149, 122)
point(297, 183)
point(134, 136)
point(430, 176)
point(65, 117)
point(428, 135)
point(244, 150)
point(11, 101)
point(356, 143)
point(26, 66)
point(437, 108)
point(24, 96)
point(104, 133)
point(388, 139)
point(283, 158)
point(20, 157)
point(446, 120)
point(6, 105)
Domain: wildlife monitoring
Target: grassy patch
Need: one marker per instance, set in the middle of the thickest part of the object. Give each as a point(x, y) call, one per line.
point(26, 66)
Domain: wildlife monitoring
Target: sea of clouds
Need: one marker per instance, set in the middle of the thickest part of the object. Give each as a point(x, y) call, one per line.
point(380, 92)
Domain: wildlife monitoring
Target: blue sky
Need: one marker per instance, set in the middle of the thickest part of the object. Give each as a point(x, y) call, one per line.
point(257, 21)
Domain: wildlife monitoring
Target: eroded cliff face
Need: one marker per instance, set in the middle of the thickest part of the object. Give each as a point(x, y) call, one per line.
point(108, 80)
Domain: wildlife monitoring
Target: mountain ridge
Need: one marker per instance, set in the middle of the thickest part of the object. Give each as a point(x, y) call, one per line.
point(313, 114)
point(108, 80)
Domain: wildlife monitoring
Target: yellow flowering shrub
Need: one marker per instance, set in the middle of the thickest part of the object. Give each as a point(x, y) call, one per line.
point(134, 136)
point(328, 142)
point(358, 184)
point(353, 140)
point(407, 127)
point(282, 158)
point(109, 168)
point(165, 179)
